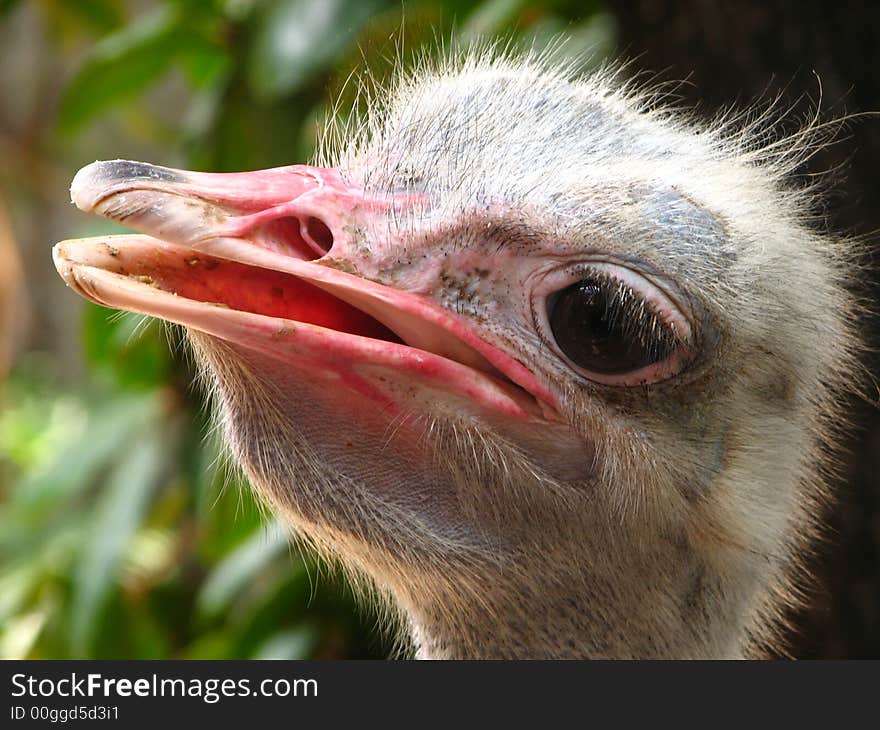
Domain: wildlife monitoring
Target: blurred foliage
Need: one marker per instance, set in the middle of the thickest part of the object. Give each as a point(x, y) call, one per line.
point(122, 533)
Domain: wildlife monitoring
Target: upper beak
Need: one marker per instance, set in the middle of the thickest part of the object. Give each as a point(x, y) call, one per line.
point(280, 251)
point(285, 207)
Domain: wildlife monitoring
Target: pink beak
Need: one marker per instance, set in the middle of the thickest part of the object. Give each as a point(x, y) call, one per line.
point(272, 261)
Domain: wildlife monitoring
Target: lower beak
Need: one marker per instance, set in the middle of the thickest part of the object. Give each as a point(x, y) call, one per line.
point(261, 260)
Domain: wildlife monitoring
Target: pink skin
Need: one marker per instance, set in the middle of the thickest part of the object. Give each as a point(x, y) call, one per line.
point(252, 243)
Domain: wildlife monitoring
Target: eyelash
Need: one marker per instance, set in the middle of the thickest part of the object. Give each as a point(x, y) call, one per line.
point(637, 316)
point(635, 306)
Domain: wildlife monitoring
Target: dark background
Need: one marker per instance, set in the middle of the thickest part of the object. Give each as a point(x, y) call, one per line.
point(121, 534)
point(737, 51)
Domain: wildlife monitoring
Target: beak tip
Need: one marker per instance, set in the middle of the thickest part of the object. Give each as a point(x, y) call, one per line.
point(93, 182)
point(83, 187)
point(61, 259)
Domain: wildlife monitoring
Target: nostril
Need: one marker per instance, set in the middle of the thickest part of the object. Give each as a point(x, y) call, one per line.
point(304, 238)
point(319, 234)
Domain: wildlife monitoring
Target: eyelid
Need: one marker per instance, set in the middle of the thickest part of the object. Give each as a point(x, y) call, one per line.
point(657, 299)
point(663, 304)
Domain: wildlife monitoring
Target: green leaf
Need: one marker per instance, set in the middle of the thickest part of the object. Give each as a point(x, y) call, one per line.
point(16, 582)
point(7, 5)
point(298, 643)
point(231, 575)
point(102, 439)
point(101, 15)
point(34, 429)
point(205, 64)
point(127, 348)
point(297, 39)
point(594, 37)
point(214, 645)
point(491, 17)
point(120, 513)
point(121, 66)
point(587, 43)
point(21, 633)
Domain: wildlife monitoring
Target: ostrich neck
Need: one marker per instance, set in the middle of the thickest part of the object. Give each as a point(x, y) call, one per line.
point(583, 586)
point(678, 612)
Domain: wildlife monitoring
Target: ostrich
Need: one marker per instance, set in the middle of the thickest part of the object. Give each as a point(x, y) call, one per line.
point(556, 369)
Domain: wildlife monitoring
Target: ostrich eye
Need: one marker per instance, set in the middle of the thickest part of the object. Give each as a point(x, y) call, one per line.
point(604, 327)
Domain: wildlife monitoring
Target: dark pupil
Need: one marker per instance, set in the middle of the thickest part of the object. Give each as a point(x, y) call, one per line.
point(593, 333)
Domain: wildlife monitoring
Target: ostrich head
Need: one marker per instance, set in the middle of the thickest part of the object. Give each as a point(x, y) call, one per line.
point(553, 367)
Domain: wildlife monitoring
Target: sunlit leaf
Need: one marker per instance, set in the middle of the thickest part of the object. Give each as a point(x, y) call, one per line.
point(102, 440)
point(490, 17)
point(151, 554)
point(238, 10)
point(593, 38)
point(20, 634)
point(15, 583)
point(298, 643)
point(587, 42)
point(297, 39)
point(35, 429)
